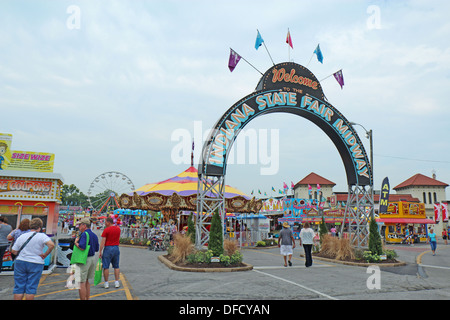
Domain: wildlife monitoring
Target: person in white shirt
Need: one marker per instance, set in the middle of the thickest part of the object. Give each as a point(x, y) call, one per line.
point(29, 263)
point(307, 240)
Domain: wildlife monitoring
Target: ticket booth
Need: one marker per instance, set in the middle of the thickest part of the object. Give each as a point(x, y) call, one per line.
point(402, 219)
point(28, 195)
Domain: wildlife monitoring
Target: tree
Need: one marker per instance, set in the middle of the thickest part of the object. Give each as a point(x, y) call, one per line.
point(322, 230)
point(216, 235)
point(72, 196)
point(375, 246)
point(191, 228)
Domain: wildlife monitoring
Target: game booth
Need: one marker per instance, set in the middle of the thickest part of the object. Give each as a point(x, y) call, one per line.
point(403, 220)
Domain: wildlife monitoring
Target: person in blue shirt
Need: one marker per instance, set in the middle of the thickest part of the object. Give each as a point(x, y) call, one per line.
point(432, 241)
point(87, 270)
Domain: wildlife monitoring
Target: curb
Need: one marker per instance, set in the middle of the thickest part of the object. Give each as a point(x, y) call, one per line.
point(172, 266)
point(359, 264)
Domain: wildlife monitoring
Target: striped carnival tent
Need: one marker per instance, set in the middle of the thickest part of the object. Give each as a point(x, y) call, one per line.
point(180, 193)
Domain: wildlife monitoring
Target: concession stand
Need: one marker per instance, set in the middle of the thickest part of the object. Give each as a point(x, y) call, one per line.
point(28, 195)
point(404, 218)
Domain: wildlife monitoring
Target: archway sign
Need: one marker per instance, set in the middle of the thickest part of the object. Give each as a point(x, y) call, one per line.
point(288, 88)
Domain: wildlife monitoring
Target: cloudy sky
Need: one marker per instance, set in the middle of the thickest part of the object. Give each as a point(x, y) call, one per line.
point(126, 85)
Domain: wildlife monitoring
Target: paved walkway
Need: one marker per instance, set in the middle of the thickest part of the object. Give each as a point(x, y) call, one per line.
point(143, 277)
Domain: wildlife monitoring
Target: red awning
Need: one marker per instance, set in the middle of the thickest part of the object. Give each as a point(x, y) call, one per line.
point(405, 220)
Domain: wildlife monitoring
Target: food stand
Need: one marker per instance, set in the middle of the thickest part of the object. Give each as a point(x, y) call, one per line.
point(28, 195)
point(400, 216)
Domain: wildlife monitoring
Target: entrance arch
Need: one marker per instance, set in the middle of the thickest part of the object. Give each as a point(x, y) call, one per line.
point(288, 88)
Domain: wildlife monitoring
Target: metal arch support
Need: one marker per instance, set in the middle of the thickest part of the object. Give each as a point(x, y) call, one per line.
point(210, 197)
point(359, 209)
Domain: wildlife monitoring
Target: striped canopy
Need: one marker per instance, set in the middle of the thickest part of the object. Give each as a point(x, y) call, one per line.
point(184, 184)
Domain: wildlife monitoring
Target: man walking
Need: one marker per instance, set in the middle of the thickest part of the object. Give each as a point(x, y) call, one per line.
point(109, 251)
point(286, 243)
point(87, 270)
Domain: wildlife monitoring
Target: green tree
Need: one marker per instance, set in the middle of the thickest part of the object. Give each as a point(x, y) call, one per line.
point(375, 246)
point(215, 243)
point(71, 195)
point(322, 230)
point(191, 228)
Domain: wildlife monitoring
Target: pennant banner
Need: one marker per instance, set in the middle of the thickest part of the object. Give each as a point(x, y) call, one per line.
point(259, 40)
point(234, 59)
point(339, 78)
point(289, 39)
point(318, 53)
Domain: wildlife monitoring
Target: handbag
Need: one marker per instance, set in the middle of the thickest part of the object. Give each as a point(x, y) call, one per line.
point(78, 255)
point(98, 272)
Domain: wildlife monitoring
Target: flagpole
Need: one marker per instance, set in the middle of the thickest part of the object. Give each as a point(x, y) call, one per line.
point(310, 60)
point(327, 77)
point(268, 53)
point(248, 62)
point(264, 43)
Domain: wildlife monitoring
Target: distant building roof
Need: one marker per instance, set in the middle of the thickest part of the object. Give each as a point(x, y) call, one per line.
point(313, 179)
point(420, 180)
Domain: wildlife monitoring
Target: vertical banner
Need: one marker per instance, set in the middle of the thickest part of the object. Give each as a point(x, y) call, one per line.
point(384, 196)
point(437, 212)
point(444, 210)
point(5, 150)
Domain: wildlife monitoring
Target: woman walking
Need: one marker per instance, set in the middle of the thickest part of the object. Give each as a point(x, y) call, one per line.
point(432, 241)
point(307, 240)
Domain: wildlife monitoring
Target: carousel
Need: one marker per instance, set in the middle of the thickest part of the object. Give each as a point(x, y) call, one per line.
point(179, 193)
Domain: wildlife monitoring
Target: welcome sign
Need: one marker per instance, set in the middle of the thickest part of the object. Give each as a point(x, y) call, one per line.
point(287, 88)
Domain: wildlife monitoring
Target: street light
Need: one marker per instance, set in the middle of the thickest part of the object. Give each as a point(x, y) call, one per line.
point(370, 137)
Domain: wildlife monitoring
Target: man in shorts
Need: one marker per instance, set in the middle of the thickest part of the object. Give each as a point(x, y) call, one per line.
point(286, 243)
point(87, 271)
point(109, 251)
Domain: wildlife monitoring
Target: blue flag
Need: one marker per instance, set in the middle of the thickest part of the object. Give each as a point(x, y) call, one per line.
point(259, 40)
point(319, 54)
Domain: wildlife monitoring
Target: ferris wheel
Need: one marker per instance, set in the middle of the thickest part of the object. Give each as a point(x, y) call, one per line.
point(105, 188)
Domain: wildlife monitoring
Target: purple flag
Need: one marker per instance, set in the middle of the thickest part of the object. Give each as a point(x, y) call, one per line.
point(339, 78)
point(234, 59)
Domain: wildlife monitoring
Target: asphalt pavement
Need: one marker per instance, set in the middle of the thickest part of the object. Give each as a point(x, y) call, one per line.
point(144, 277)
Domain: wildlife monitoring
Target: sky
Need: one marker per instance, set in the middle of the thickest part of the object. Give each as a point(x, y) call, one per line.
point(126, 85)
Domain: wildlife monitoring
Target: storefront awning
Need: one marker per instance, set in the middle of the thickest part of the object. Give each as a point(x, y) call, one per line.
point(405, 220)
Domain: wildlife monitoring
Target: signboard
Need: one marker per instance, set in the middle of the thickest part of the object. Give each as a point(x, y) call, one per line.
point(23, 160)
point(20, 187)
point(384, 197)
point(284, 94)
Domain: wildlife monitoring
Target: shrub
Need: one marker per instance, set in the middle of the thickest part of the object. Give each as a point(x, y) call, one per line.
point(191, 228)
point(216, 235)
point(230, 246)
point(182, 247)
point(345, 250)
point(371, 257)
point(261, 244)
point(225, 260)
point(330, 246)
point(375, 245)
point(236, 258)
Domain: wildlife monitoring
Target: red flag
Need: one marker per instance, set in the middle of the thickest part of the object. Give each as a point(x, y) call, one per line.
point(437, 212)
point(289, 39)
point(444, 209)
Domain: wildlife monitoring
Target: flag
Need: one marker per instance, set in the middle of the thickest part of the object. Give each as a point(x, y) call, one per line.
point(319, 54)
point(259, 40)
point(437, 212)
point(309, 189)
point(292, 185)
point(384, 197)
point(289, 39)
point(273, 189)
point(444, 209)
point(234, 59)
point(339, 77)
point(318, 187)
